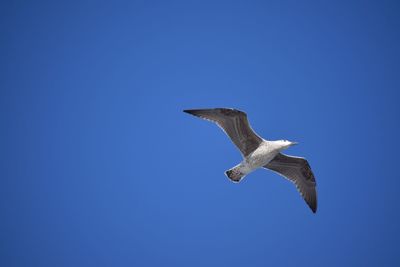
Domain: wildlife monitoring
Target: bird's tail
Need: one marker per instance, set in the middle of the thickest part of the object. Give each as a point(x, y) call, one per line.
point(235, 174)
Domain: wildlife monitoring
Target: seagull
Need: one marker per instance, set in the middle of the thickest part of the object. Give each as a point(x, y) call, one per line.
point(260, 153)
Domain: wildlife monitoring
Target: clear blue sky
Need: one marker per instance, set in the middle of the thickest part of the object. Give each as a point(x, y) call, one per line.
point(99, 166)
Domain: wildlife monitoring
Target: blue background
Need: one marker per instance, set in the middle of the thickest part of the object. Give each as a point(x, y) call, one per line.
point(100, 167)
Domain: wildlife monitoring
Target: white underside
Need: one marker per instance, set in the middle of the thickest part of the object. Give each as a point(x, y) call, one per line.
point(260, 157)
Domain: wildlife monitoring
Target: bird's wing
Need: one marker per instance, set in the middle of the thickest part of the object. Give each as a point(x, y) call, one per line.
point(234, 123)
point(298, 171)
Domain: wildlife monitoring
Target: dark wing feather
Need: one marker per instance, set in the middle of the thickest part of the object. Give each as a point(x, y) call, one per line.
point(235, 125)
point(298, 171)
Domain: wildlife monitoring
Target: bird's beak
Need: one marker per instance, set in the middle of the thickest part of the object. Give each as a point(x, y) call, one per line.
point(294, 143)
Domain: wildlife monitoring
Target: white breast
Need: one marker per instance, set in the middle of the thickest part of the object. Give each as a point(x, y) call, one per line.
point(261, 156)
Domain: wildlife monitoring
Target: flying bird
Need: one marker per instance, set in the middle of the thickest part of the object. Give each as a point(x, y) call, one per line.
point(260, 153)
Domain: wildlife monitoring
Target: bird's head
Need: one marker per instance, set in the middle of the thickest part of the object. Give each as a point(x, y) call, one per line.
point(286, 144)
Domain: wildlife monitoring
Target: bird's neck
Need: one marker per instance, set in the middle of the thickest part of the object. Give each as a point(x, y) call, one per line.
point(277, 145)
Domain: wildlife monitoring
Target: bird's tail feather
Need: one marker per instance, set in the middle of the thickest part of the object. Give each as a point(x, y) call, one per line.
point(235, 174)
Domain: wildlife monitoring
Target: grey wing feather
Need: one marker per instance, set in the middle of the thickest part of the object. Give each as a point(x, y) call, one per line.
point(235, 125)
point(298, 171)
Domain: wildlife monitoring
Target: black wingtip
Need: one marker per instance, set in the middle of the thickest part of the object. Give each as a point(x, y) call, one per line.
point(190, 111)
point(313, 208)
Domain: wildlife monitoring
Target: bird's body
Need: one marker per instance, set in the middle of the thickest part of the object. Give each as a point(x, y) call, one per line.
point(258, 152)
point(264, 153)
point(260, 157)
